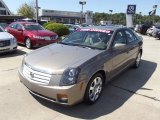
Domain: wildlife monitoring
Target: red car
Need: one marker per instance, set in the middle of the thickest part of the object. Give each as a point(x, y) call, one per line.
point(31, 34)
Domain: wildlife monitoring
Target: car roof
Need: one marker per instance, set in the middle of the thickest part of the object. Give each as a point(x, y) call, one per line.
point(107, 27)
point(22, 22)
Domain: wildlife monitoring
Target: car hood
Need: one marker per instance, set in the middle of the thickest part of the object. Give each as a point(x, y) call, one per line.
point(56, 58)
point(41, 32)
point(5, 36)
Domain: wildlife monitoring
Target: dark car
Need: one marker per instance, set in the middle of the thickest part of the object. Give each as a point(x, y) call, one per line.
point(77, 68)
point(143, 28)
point(31, 34)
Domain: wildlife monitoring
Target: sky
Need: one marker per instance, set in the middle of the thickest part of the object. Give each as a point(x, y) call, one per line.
point(117, 6)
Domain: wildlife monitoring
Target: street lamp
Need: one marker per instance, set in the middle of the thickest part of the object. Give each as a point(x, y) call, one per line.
point(82, 3)
point(111, 13)
point(154, 12)
point(140, 14)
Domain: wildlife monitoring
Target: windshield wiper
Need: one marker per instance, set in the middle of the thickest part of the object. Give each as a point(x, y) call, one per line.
point(67, 44)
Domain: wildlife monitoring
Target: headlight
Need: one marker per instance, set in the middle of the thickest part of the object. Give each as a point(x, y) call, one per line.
point(70, 76)
point(38, 37)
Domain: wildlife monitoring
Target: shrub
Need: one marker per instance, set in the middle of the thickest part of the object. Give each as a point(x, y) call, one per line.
point(58, 28)
point(45, 24)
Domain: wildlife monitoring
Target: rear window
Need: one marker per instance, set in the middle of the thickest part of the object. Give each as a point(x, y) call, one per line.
point(33, 27)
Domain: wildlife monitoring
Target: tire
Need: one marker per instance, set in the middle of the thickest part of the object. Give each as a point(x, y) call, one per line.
point(94, 89)
point(138, 60)
point(28, 43)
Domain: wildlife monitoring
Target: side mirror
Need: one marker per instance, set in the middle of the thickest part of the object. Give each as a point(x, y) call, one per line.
point(119, 45)
point(140, 37)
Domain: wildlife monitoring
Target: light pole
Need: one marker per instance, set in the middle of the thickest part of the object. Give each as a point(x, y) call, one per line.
point(154, 12)
point(82, 3)
point(140, 14)
point(37, 11)
point(111, 14)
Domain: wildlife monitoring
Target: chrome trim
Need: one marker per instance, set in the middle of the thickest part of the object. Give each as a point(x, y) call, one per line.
point(36, 76)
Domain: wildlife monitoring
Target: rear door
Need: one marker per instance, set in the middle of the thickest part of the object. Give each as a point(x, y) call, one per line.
point(133, 46)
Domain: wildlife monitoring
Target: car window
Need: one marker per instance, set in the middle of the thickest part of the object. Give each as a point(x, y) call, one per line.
point(18, 26)
point(14, 25)
point(33, 27)
point(119, 38)
point(1, 29)
point(130, 36)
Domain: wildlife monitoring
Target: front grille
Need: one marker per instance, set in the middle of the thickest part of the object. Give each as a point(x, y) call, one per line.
point(36, 76)
point(5, 43)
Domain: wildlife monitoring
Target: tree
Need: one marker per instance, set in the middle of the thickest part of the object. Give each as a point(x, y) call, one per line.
point(120, 18)
point(26, 10)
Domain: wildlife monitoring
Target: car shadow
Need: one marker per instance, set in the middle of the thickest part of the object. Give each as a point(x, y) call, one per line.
point(115, 94)
point(12, 54)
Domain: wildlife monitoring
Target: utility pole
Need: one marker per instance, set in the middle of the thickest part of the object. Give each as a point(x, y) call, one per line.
point(37, 9)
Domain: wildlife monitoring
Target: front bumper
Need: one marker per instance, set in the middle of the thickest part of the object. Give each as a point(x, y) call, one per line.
point(40, 43)
point(65, 95)
point(12, 47)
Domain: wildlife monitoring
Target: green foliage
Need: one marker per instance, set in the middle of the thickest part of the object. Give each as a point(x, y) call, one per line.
point(26, 11)
point(120, 18)
point(45, 24)
point(58, 28)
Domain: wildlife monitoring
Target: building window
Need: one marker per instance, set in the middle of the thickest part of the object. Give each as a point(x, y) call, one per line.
point(58, 20)
point(1, 5)
point(2, 12)
point(65, 20)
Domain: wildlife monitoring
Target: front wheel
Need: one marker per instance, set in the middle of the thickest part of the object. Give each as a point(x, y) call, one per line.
point(138, 60)
point(94, 89)
point(28, 43)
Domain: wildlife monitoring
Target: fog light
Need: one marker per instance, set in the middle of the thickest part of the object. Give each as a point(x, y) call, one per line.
point(63, 98)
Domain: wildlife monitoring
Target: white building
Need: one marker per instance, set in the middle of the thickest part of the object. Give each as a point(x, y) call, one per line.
point(4, 9)
point(65, 16)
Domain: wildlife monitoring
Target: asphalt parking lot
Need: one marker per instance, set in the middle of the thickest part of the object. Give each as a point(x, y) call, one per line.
point(134, 95)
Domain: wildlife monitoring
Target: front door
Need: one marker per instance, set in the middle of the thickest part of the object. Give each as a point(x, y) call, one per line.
point(119, 52)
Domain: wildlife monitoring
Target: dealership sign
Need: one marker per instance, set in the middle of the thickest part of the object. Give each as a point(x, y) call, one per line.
point(131, 9)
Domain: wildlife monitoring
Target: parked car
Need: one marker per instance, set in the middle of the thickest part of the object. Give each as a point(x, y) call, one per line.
point(3, 25)
point(77, 68)
point(158, 34)
point(143, 28)
point(8, 42)
point(156, 29)
point(31, 34)
point(72, 28)
point(137, 28)
point(152, 31)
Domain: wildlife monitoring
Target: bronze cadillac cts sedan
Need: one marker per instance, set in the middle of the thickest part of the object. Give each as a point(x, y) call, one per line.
point(77, 68)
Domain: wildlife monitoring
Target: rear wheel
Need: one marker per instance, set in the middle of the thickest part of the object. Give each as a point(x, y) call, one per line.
point(28, 43)
point(94, 89)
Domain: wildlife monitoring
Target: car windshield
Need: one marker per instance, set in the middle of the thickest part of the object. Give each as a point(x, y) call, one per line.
point(3, 25)
point(1, 29)
point(33, 27)
point(90, 39)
